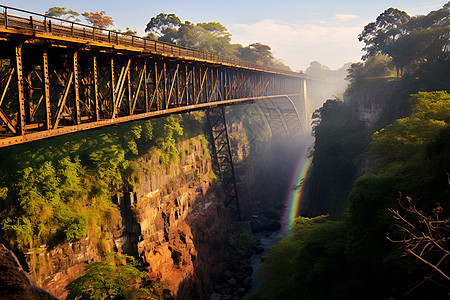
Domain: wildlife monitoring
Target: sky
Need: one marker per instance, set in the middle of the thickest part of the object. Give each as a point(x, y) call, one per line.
point(298, 31)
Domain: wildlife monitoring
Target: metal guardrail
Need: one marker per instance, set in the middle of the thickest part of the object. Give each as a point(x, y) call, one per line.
point(36, 22)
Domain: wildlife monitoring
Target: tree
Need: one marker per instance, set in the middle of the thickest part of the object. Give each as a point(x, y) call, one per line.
point(387, 28)
point(425, 238)
point(207, 36)
point(424, 46)
point(375, 66)
point(257, 53)
point(62, 13)
point(130, 32)
point(98, 19)
point(111, 278)
point(438, 18)
point(408, 136)
point(157, 25)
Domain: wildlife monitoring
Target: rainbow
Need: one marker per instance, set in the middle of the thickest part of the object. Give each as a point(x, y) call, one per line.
point(294, 196)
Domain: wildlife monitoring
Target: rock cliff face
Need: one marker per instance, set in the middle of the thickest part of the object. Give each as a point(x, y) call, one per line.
point(172, 220)
point(15, 282)
point(368, 100)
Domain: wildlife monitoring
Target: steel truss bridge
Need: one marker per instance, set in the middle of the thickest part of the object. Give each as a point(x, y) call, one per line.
point(59, 77)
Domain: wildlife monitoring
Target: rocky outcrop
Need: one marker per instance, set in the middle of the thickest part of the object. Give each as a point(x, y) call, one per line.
point(15, 282)
point(367, 100)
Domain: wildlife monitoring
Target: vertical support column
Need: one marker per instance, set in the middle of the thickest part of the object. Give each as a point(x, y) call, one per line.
point(226, 84)
point(146, 98)
point(113, 87)
point(130, 103)
point(194, 98)
point(304, 103)
point(186, 85)
point(210, 81)
point(76, 87)
point(177, 86)
point(96, 104)
point(157, 86)
point(165, 100)
point(20, 91)
point(222, 156)
point(29, 91)
point(206, 87)
point(46, 90)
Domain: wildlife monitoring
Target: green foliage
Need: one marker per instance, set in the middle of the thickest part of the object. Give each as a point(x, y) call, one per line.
point(384, 31)
point(409, 41)
point(246, 242)
point(3, 192)
point(55, 190)
point(205, 145)
point(167, 131)
point(112, 278)
point(155, 291)
point(307, 264)
point(62, 13)
point(375, 66)
point(131, 135)
point(339, 142)
point(147, 131)
point(77, 228)
point(407, 137)
point(18, 230)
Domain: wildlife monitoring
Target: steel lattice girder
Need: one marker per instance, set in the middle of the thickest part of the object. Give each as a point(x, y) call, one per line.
point(221, 155)
point(47, 90)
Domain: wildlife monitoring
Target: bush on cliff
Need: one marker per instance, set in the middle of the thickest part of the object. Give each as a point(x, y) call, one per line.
point(116, 277)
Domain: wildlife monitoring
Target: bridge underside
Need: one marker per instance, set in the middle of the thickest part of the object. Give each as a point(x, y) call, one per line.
point(46, 91)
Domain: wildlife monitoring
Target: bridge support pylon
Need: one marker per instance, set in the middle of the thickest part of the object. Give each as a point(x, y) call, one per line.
point(221, 155)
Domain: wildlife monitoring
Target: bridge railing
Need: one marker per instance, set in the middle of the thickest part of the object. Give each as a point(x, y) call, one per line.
point(19, 19)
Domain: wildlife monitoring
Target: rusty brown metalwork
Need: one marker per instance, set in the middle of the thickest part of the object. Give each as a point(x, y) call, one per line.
point(58, 77)
point(222, 157)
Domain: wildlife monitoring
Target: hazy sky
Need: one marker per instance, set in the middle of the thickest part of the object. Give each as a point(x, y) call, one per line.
point(298, 31)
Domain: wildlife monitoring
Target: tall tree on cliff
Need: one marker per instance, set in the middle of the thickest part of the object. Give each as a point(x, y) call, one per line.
point(387, 28)
point(397, 35)
point(98, 19)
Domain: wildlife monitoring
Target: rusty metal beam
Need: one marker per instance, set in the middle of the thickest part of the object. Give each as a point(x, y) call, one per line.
point(76, 86)
point(221, 154)
point(8, 77)
point(20, 91)
point(95, 79)
point(112, 105)
point(141, 77)
point(62, 101)
point(46, 83)
point(171, 86)
point(7, 121)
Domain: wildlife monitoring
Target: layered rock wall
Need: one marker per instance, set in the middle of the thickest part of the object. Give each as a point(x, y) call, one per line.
point(172, 220)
